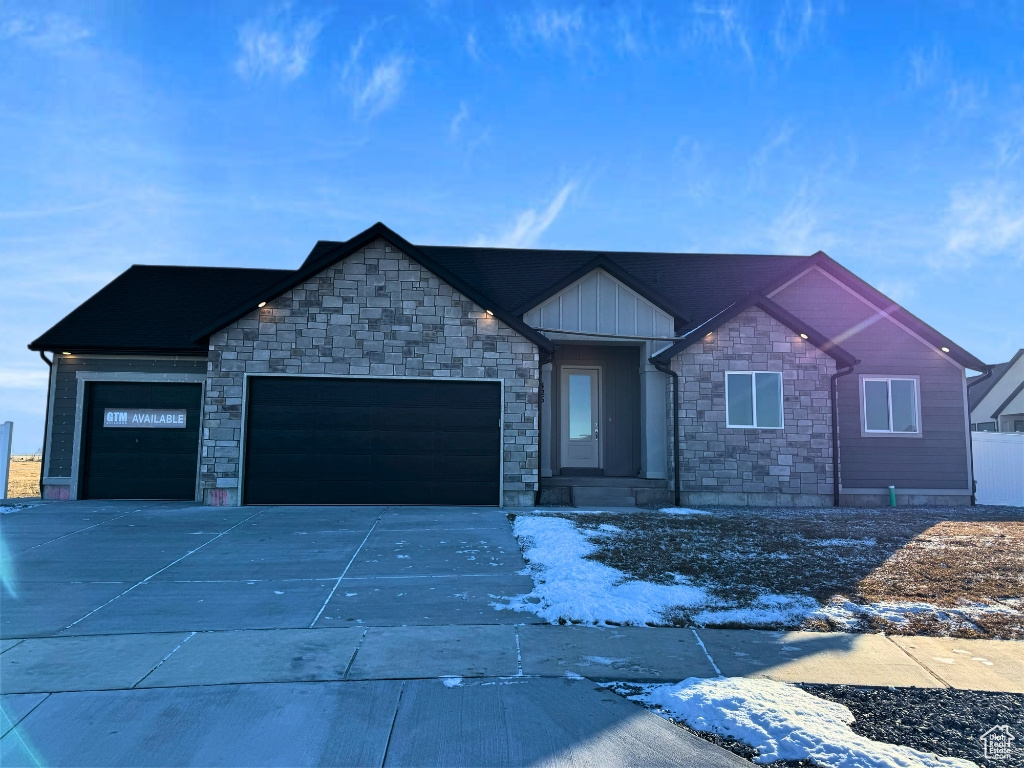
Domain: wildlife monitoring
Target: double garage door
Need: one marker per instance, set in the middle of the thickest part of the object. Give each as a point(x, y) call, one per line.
point(308, 441)
point(372, 441)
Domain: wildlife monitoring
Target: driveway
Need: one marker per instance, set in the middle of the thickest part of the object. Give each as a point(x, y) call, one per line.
point(88, 568)
point(139, 633)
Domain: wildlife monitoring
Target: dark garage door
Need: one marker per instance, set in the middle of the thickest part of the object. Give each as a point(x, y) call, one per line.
point(144, 462)
point(372, 441)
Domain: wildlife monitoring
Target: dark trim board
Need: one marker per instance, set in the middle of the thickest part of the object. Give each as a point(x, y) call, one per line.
point(328, 440)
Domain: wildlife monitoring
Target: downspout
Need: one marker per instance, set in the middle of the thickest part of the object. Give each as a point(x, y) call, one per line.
point(970, 440)
point(46, 424)
point(667, 369)
point(834, 387)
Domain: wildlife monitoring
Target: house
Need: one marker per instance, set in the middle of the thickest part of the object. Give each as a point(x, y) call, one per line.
point(382, 372)
point(997, 398)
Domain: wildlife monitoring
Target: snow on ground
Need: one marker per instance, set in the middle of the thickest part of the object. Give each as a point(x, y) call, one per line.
point(766, 610)
point(573, 589)
point(782, 722)
point(848, 615)
point(6, 510)
point(682, 511)
point(570, 588)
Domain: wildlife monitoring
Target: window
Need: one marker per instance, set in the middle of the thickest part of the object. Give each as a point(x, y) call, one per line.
point(753, 400)
point(984, 426)
point(1018, 425)
point(890, 406)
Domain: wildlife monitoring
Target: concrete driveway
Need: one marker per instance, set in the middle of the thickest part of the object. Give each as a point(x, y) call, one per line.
point(141, 634)
point(92, 568)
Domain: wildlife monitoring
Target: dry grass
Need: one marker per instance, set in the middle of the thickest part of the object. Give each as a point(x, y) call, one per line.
point(946, 557)
point(23, 481)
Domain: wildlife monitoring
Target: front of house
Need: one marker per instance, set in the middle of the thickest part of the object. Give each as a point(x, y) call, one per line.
point(380, 372)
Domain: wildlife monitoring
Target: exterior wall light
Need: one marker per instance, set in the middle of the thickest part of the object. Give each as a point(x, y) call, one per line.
point(66, 353)
point(945, 349)
point(489, 312)
point(803, 335)
point(262, 304)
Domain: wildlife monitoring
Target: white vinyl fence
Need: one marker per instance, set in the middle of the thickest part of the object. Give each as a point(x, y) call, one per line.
point(999, 467)
point(6, 431)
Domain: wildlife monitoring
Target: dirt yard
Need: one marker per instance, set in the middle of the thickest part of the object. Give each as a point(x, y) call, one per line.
point(23, 481)
point(938, 571)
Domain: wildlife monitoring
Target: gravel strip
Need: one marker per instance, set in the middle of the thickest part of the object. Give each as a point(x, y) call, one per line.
point(941, 720)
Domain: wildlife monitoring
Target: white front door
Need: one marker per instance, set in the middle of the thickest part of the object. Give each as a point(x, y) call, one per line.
point(580, 407)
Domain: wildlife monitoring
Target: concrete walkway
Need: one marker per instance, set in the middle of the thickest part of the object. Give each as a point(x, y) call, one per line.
point(639, 654)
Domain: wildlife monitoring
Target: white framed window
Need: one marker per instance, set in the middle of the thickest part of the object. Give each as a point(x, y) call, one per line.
point(753, 399)
point(890, 405)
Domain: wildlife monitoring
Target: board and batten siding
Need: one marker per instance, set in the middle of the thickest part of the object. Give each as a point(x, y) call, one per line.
point(938, 459)
point(598, 303)
point(61, 433)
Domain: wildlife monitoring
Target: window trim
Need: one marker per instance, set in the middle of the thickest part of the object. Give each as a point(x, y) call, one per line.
point(865, 377)
point(753, 401)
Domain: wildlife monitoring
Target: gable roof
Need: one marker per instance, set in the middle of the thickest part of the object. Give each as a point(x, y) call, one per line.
point(1002, 407)
point(694, 286)
point(976, 392)
point(325, 255)
point(883, 304)
point(601, 261)
point(762, 302)
point(170, 310)
point(154, 309)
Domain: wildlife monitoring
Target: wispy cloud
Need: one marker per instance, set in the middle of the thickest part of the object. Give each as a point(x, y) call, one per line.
point(796, 22)
point(473, 46)
point(53, 31)
point(982, 220)
point(797, 229)
point(720, 25)
point(965, 96)
point(764, 154)
point(531, 223)
point(275, 45)
point(553, 28)
point(460, 117)
point(374, 89)
point(925, 66)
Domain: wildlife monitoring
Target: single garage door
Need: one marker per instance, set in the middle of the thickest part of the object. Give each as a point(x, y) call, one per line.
point(372, 441)
point(141, 441)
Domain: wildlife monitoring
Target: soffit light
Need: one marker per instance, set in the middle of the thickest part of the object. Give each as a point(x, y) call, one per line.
point(803, 335)
point(489, 312)
point(945, 349)
point(262, 304)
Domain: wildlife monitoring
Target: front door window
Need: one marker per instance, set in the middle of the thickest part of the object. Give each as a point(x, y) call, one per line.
point(581, 417)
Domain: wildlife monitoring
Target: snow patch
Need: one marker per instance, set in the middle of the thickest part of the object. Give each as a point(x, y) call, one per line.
point(843, 542)
point(766, 610)
point(609, 528)
point(451, 681)
point(573, 675)
point(848, 615)
point(782, 722)
point(571, 588)
point(683, 511)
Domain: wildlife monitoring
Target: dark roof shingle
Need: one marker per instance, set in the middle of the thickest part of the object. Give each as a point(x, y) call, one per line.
point(154, 308)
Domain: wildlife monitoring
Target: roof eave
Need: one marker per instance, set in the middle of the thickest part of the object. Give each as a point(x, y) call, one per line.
point(756, 299)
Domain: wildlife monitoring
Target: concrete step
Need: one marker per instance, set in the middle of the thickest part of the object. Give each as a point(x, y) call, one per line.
point(602, 497)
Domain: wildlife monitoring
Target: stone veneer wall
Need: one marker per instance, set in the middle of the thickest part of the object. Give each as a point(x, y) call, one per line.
point(766, 467)
point(376, 313)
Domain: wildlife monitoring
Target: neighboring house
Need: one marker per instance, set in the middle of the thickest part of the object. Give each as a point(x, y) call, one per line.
point(380, 372)
point(997, 399)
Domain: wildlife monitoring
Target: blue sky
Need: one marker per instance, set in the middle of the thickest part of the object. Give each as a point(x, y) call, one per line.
point(890, 135)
